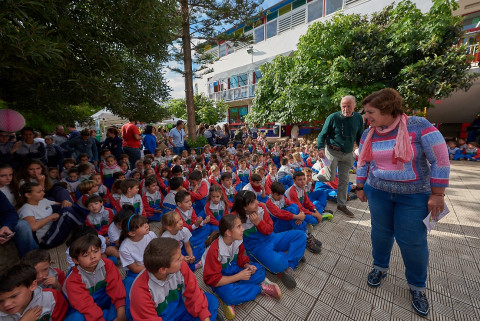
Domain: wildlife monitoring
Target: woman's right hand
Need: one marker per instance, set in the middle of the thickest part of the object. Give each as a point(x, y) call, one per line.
point(361, 196)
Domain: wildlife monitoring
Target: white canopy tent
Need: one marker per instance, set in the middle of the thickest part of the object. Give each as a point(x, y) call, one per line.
point(107, 118)
point(172, 121)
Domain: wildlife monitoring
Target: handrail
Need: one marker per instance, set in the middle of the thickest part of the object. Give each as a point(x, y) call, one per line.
point(233, 94)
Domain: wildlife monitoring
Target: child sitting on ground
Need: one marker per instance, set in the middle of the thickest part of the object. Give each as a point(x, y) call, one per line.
point(227, 269)
point(109, 169)
point(256, 186)
point(94, 287)
point(99, 217)
point(28, 302)
point(152, 199)
point(228, 189)
point(47, 277)
point(198, 192)
point(172, 227)
point(216, 206)
point(130, 188)
point(168, 289)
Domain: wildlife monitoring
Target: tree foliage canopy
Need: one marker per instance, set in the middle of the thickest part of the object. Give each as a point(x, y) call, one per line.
point(205, 110)
point(399, 47)
point(56, 54)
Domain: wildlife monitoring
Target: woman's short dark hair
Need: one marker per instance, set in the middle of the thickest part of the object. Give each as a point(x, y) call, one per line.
point(148, 129)
point(113, 130)
point(387, 100)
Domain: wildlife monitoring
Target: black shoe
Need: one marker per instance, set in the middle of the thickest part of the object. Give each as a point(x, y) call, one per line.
point(312, 246)
point(287, 278)
point(345, 210)
point(219, 317)
point(375, 277)
point(420, 302)
point(303, 260)
point(318, 242)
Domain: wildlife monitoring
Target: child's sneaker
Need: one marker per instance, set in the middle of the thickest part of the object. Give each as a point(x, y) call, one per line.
point(229, 311)
point(271, 289)
point(327, 217)
point(287, 278)
point(198, 265)
point(312, 245)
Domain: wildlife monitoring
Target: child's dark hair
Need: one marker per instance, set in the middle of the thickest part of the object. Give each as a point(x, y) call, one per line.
point(243, 199)
point(225, 176)
point(25, 189)
point(175, 183)
point(147, 161)
point(82, 155)
point(168, 219)
point(298, 174)
point(122, 162)
point(103, 152)
point(198, 159)
point(126, 211)
point(109, 157)
point(195, 176)
point(256, 178)
point(167, 170)
point(127, 184)
point(177, 169)
point(131, 224)
point(18, 275)
point(85, 186)
point(278, 188)
point(80, 231)
point(227, 222)
point(69, 161)
point(242, 159)
point(82, 168)
point(159, 252)
point(117, 185)
point(180, 196)
point(74, 170)
point(284, 161)
point(151, 179)
point(117, 175)
point(92, 199)
point(36, 256)
point(122, 156)
point(83, 244)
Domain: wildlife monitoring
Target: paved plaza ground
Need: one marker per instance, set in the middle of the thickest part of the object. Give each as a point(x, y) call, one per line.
point(332, 285)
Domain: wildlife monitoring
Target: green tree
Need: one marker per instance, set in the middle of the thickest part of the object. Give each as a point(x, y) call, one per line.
point(200, 23)
point(59, 55)
point(206, 110)
point(399, 47)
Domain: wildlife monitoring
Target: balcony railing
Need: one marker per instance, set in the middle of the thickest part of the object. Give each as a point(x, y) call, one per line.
point(474, 51)
point(234, 94)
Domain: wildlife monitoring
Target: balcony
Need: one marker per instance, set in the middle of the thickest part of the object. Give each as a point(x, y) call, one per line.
point(474, 52)
point(234, 94)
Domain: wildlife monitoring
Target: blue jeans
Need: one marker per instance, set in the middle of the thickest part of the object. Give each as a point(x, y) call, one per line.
point(178, 150)
point(400, 216)
point(24, 238)
point(133, 155)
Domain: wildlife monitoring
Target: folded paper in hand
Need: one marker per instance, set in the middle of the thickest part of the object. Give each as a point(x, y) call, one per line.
point(430, 223)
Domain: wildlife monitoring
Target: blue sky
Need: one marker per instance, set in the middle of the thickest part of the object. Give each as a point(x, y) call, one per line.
point(176, 81)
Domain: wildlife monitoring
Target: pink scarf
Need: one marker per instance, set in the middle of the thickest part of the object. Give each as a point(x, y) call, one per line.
point(402, 150)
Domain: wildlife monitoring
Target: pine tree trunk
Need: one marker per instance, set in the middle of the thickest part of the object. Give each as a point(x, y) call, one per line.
point(187, 63)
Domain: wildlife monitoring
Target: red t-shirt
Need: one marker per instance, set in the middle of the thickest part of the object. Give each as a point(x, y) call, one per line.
point(128, 135)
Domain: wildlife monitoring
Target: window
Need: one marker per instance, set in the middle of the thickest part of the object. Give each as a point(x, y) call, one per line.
point(222, 50)
point(283, 10)
point(471, 21)
point(271, 29)
point(297, 4)
point(315, 10)
point(242, 80)
point(237, 114)
point(229, 48)
point(333, 6)
point(258, 75)
point(272, 16)
point(233, 82)
point(259, 34)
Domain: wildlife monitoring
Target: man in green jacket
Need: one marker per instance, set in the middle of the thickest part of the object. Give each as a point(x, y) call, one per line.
point(335, 142)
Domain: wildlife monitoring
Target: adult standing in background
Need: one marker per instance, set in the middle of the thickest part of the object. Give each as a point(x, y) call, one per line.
point(29, 148)
point(403, 170)
point(149, 140)
point(72, 131)
point(177, 137)
point(83, 144)
point(335, 142)
point(59, 137)
point(131, 141)
point(113, 142)
point(162, 138)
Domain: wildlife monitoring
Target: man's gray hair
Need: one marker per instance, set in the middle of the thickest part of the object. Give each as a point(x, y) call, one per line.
point(350, 97)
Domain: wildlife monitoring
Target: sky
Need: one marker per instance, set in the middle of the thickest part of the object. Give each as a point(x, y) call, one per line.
point(176, 81)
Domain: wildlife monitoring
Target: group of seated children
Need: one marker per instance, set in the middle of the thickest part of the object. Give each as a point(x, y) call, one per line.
point(230, 212)
point(459, 150)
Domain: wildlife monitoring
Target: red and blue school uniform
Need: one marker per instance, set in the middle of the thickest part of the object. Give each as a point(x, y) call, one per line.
point(169, 203)
point(113, 201)
point(103, 191)
point(107, 174)
point(135, 201)
point(206, 157)
point(53, 304)
point(268, 183)
point(216, 212)
point(183, 236)
point(222, 260)
point(152, 202)
point(199, 234)
point(299, 197)
point(257, 190)
point(178, 298)
point(100, 221)
point(199, 198)
point(311, 161)
point(229, 194)
point(244, 176)
point(282, 212)
point(276, 157)
point(275, 251)
point(94, 295)
point(214, 180)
